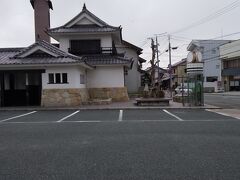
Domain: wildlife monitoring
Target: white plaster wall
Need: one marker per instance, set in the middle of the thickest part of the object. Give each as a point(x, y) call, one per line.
point(106, 40)
point(105, 77)
point(73, 77)
point(84, 21)
point(211, 84)
point(133, 78)
point(230, 50)
point(212, 68)
point(64, 44)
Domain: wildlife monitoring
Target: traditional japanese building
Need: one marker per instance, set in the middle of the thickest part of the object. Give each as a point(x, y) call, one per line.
point(91, 61)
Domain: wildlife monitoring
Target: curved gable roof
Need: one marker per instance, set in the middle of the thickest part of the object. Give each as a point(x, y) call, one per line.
point(49, 54)
point(85, 13)
point(90, 24)
point(47, 48)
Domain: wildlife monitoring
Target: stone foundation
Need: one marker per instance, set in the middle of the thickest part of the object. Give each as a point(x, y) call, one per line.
point(64, 97)
point(117, 94)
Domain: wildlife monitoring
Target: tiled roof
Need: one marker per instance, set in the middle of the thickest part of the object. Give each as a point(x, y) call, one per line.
point(6, 58)
point(141, 60)
point(180, 62)
point(86, 11)
point(82, 29)
point(106, 60)
point(85, 28)
point(156, 68)
point(32, 61)
point(6, 53)
point(12, 56)
point(49, 47)
point(132, 46)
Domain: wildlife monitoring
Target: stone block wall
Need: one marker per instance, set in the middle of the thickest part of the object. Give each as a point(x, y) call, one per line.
point(64, 97)
point(117, 94)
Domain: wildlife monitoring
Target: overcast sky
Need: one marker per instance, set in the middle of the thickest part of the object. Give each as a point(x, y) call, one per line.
point(140, 20)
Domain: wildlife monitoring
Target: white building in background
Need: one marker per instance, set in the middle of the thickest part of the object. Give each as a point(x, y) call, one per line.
point(91, 61)
point(230, 56)
point(133, 76)
point(212, 71)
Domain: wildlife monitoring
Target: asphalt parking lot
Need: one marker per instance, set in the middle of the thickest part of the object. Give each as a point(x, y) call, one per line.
point(115, 144)
point(89, 116)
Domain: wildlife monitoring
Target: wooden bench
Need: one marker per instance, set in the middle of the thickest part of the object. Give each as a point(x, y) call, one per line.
point(152, 101)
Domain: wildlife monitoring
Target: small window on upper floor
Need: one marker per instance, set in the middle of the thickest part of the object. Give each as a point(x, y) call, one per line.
point(80, 47)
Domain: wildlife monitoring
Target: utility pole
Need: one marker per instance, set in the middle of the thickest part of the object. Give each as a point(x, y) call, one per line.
point(153, 47)
point(157, 54)
point(170, 64)
point(158, 61)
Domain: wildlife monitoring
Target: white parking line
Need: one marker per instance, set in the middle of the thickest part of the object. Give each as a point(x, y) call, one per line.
point(128, 121)
point(120, 116)
point(51, 122)
point(173, 115)
point(83, 121)
point(221, 113)
point(61, 120)
point(15, 117)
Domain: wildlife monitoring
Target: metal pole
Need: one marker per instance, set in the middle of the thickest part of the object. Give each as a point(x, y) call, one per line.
point(182, 93)
point(27, 87)
point(170, 64)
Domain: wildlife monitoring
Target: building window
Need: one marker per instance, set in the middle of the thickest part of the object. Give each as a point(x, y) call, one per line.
point(57, 78)
point(80, 47)
point(82, 79)
point(51, 78)
point(217, 66)
point(212, 79)
point(64, 78)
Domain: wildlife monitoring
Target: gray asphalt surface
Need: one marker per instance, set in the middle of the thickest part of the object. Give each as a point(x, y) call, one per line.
point(226, 101)
point(133, 148)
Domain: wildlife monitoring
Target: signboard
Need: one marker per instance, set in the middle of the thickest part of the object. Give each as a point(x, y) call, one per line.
point(195, 68)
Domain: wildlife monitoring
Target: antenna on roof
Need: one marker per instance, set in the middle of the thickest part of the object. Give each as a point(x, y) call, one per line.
point(84, 6)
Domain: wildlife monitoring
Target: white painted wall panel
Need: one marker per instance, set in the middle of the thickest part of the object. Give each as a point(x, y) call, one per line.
point(105, 77)
point(133, 78)
point(230, 50)
point(73, 77)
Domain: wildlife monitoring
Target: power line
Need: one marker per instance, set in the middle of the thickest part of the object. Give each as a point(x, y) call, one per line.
point(227, 35)
point(207, 59)
point(212, 16)
point(145, 43)
point(181, 38)
point(232, 34)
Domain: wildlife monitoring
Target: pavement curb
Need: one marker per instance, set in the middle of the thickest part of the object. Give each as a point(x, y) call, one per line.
point(215, 94)
point(103, 108)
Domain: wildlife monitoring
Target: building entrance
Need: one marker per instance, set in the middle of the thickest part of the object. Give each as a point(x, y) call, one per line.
point(20, 88)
